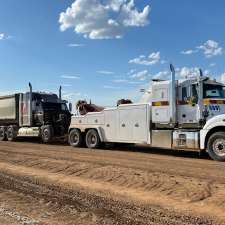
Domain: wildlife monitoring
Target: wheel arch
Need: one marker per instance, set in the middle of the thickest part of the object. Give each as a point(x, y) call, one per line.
point(212, 131)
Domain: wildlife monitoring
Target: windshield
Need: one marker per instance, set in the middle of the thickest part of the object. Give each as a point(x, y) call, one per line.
point(57, 107)
point(213, 91)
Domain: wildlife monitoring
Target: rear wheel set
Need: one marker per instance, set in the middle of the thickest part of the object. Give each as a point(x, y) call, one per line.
point(8, 133)
point(91, 139)
point(3, 136)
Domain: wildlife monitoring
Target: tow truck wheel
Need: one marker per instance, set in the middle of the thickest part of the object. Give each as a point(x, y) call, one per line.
point(75, 138)
point(216, 146)
point(92, 139)
point(11, 133)
point(3, 134)
point(47, 134)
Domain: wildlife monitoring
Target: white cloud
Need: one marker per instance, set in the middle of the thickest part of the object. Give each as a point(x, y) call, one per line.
point(66, 85)
point(186, 72)
point(163, 61)
point(162, 75)
point(120, 81)
point(110, 87)
point(222, 78)
point(141, 76)
point(211, 48)
point(71, 96)
point(97, 19)
point(75, 45)
point(152, 59)
point(189, 52)
point(70, 77)
point(212, 64)
point(4, 36)
point(105, 72)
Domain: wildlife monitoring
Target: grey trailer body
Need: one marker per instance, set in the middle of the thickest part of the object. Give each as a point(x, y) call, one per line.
point(9, 113)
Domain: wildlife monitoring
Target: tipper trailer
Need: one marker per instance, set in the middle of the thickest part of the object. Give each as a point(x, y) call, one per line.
point(189, 114)
point(33, 114)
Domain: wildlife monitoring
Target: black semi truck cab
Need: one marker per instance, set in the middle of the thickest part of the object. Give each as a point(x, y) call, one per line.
point(34, 114)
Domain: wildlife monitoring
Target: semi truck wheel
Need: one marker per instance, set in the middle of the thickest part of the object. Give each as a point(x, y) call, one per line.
point(11, 133)
point(47, 134)
point(216, 146)
point(92, 139)
point(76, 138)
point(3, 134)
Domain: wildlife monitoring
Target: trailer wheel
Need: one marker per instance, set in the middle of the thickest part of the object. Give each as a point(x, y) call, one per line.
point(11, 133)
point(216, 146)
point(3, 136)
point(47, 134)
point(92, 139)
point(76, 138)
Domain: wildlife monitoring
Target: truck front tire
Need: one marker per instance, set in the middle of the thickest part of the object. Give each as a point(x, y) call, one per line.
point(47, 134)
point(92, 139)
point(75, 138)
point(3, 134)
point(216, 146)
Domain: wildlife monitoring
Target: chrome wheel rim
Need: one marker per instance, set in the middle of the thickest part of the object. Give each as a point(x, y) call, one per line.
point(219, 147)
point(92, 140)
point(74, 139)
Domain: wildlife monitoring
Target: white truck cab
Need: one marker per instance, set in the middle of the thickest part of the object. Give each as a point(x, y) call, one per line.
point(189, 114)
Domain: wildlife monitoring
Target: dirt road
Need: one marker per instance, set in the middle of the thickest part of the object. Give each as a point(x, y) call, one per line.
point(55, 184)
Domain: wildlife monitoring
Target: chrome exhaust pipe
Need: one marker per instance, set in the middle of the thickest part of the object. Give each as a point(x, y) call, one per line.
point(30, 104)
point(60, 93)
point(172, 96)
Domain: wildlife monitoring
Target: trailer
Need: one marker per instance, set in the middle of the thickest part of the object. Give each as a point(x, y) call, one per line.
point(187, 115)
point(33, 114)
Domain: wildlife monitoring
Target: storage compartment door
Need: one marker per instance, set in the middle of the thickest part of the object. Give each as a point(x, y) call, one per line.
point(140, 125)
point(126, 125)
point(111, 124)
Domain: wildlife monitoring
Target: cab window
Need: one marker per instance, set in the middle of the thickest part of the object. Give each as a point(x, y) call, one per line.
point(213, 91)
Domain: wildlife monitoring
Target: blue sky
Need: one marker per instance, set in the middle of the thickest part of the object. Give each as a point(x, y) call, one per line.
point(105, 50)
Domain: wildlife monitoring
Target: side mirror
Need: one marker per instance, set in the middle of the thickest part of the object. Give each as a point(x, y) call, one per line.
point(70, 107)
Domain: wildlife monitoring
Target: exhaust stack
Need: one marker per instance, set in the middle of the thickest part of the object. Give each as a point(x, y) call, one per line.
point(60, 93)
point(172, 96)
point(30, 104)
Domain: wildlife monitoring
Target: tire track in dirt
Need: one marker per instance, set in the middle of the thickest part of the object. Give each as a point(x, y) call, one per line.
point(125, 175)
point(93, 207)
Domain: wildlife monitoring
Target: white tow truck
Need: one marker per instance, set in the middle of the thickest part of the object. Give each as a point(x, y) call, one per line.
point(189, 114)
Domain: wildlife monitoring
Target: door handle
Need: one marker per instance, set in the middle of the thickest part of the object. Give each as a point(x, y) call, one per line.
point(123, 125)
point(107, 125)
point(136, 125)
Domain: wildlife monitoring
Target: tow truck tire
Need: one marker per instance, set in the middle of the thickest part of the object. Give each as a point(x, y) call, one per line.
point(76, 138)
point(3, 136)
point(92, 139)
point(11, 133)
point(47, 134)
point(216, 146)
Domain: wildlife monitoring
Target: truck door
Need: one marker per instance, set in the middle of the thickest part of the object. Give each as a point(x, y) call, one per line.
point(24, 110)
point(188, 110)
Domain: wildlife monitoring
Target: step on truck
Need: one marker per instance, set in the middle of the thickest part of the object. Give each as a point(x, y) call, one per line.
point(182, 115)
point(34, 114)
